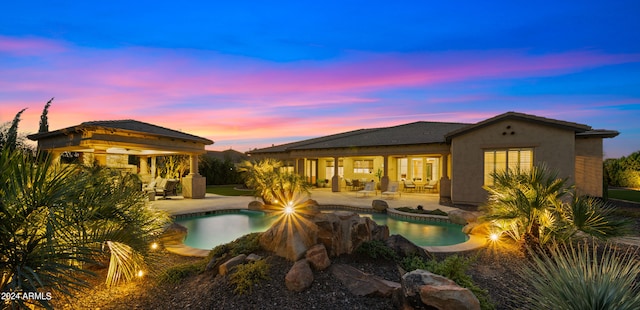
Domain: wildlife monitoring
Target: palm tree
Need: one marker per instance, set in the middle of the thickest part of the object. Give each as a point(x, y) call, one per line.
point(56, 219)
point(270, 182)
point(534, 208)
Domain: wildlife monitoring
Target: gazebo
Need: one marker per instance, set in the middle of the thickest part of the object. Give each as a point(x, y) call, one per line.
point(110, 143)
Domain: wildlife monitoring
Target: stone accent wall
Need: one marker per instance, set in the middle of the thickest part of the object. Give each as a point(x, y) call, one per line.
point(589, 174)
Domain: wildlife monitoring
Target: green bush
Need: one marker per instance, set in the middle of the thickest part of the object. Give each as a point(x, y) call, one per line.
point(246, 244)
point(578, 277)
point(248, 275)
point(411, 263)
point(623, 171)
point(175, 274)
point(377, 248)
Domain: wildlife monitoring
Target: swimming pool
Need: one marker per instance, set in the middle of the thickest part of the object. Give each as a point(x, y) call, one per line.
point(206, 232)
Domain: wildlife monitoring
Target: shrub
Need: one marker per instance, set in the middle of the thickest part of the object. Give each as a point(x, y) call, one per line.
point(175, 274)
point(377, 248)
point(411, 263)
point(246, 276)
point(577, 277)
point(246, 244)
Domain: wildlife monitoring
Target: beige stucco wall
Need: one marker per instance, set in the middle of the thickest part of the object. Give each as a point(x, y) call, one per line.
point(551, 145)
point(588, 178)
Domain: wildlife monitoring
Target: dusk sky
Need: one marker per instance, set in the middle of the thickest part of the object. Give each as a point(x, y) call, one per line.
point(250, 74)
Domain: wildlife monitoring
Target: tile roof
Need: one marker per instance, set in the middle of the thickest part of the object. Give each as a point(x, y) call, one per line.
point(524, 117)
point(423, 133)
point(128, 124)
point(406, 134)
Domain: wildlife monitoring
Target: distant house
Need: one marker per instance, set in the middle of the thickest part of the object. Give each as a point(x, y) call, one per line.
point(457, 158)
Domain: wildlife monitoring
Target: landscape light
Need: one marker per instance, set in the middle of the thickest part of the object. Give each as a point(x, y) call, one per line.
point(494, 237)
point(154, 246)
point(289, 209)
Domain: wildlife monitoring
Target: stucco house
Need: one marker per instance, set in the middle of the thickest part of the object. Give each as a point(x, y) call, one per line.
point(459, 158)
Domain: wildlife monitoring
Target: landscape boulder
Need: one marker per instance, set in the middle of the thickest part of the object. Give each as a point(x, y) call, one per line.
point(421, 287)
point(363, 284)
point(462, 217)
point(256, 205)
point(342, 232)
point(318, 258)
point(379, 205)
point(253, 257)
point(226, 267)
point(290, 238)
point(404, 247)
point(299, 277)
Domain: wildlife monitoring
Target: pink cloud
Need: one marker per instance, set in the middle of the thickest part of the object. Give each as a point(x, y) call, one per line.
point(229, 98)
point(29, 46)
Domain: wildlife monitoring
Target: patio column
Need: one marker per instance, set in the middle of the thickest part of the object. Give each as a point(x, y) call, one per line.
point(194, 185)
point(144, 168)
point(300, 166)
point(153, 167)
point(100, 156)
point(55, 157)
point(335, 180)
point(384, 182)
point(445, 182)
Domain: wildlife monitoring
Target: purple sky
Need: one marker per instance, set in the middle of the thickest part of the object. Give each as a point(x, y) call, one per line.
point(249, 75)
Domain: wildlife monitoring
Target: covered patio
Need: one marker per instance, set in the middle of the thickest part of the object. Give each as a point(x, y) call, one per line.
point(415, 152)
point(129, 145)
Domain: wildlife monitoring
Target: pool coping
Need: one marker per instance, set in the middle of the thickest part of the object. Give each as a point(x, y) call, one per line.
point(474, 241)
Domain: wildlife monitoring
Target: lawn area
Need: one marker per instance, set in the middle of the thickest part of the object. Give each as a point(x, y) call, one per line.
point(227, 190)
point(624, 194)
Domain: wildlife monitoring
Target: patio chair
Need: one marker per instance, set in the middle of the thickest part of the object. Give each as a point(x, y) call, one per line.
point(151, 185)
point(392, 190)
point(409, 185)
point(167, 187)
point(356, 185)
point(432, 185)
point(369, 187)
point(348, 184)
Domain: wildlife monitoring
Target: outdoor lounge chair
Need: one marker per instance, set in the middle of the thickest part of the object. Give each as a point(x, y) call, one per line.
point(166, 187)
point(409, 185)
point(432, 185)
point(369, 187)
point(392, 190)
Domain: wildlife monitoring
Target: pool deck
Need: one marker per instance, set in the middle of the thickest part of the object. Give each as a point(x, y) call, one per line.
point(177, 205)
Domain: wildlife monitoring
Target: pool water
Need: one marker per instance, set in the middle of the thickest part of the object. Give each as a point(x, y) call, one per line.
point(206, 232)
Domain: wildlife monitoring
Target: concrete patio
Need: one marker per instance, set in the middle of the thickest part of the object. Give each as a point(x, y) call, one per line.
point(177, 205)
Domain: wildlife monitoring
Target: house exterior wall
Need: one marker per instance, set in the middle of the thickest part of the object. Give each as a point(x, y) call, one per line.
point(552, 146)
point(588, 179)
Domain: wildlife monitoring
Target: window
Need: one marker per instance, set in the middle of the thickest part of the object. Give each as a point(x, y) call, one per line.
point(499, 160)
point(416, 169)
point(329, 169)
point(402, 168)
point(363, 166)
